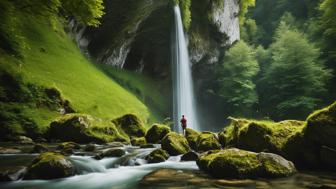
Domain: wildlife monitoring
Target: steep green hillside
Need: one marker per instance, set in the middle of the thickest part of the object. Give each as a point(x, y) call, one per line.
point(52, 60)
point(155, 94)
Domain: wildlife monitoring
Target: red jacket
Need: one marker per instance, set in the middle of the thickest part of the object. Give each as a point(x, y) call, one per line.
point(184, 122)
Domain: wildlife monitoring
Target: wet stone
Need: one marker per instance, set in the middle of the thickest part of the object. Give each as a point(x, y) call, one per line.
point(12, 173)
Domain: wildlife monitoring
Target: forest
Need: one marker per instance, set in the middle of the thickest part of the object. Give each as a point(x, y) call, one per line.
point(101, 94)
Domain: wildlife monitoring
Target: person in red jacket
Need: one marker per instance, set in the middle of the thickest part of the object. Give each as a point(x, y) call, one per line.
point(183, 124)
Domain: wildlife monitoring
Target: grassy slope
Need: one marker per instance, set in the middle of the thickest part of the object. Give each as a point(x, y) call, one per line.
point(153, 93)
point(52, 59)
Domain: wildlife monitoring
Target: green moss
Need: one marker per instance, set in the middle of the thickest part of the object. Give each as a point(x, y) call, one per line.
point(175, 144)
point(83, 128)
point(49, 165)
point(232, 163)
point(130, 125)
point(191, 136)
point(321, 126)
point(207, 141)
point(185, 11)
point(275, 166)
point(138, 141)
point(244, 5)
point(156, 133)
point(236, 163)
point(67, 145)
point(157, 156)
point(260, 135)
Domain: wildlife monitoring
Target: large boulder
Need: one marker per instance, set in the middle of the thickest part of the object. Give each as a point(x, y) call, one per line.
point(157, 156)
point(175, 144)
point(83, 128)
point(156, 133)
point(259, 136)
point(138, 141)
point(131, 125)
point(207, 141)
point(313, 147)
point(191, 136)
point(301, 151)
point(321, 126)
point(236, 163)
point(306, 143)
point(50, 165)
point(275, 166)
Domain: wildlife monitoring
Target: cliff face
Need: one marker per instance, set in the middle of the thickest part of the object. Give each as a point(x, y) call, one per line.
point(135, 35)
point(225, 18)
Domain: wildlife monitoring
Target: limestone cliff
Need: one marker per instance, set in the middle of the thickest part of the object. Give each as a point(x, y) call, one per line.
point(135, 35)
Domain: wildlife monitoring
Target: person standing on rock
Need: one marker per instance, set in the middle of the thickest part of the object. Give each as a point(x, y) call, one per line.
point(183, 124)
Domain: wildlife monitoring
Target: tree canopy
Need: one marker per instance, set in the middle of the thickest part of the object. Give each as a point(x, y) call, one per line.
point(236, 74)
point(86, 11)
point(292, 84)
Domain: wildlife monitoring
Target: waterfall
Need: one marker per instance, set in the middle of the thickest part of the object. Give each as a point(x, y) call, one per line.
point(182, 80)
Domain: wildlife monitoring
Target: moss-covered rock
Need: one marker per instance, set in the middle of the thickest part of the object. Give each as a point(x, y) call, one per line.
point(235, 163)
point(50, 165)
point(275, 166)
point(83, 128)
point(301, 151)
point(308, 148)
point(175, 144)
point(68, 148)
point(207, 141)
point(191, 136)
point(156, 133)
point(157, 156)
point(138, 141)
point(260, 136)
point(299, 141)
point(114, 152)
point(321, 126)
point(66, 145)
point(131, 125)
point(190, 156)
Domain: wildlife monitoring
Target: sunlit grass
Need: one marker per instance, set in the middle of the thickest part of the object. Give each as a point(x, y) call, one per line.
point(52, 59)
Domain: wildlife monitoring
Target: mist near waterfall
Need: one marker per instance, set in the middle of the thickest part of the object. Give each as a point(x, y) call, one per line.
point(182, 79)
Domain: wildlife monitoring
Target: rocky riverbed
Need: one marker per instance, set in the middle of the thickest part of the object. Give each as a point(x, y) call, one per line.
point(131, 170)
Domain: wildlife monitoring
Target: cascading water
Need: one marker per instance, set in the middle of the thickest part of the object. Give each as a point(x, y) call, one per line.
point(182, 80)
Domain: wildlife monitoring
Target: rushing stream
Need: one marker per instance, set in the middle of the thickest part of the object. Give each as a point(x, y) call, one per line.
point(107, 173)
point(183, 85)
point(127, 171)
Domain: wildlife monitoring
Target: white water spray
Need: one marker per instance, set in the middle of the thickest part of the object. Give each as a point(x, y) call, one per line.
point(182, 80)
